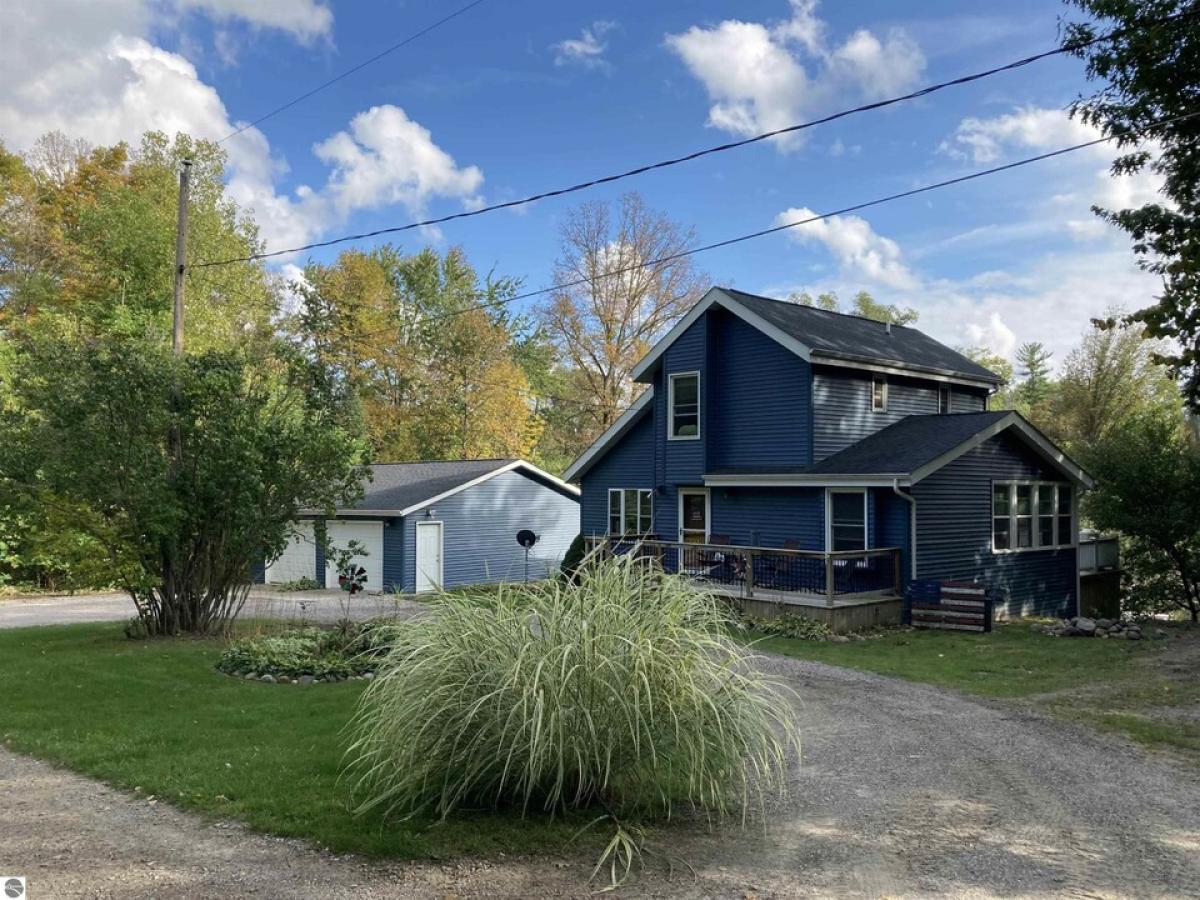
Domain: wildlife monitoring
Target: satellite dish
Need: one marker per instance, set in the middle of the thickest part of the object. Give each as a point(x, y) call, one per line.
point(526, 538)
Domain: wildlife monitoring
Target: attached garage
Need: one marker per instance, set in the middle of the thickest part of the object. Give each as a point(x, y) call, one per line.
point(430, 525)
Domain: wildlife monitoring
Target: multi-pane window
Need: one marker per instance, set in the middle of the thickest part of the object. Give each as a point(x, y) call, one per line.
point(848, 520)
point(684, 403)
point(630, 511)
point(1027, 515)
point(879, 393)
point(944, 398)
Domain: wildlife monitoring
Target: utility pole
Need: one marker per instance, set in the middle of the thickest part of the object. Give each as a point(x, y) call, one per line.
point(185, 175)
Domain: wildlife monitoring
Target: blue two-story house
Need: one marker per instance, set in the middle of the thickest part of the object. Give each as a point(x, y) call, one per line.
point(810, 457)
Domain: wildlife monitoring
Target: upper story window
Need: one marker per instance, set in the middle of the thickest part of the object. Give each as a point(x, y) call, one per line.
point(683, 406)
point(630, 511)
point(879, 392)
point(944, 398)
point(1031, 515)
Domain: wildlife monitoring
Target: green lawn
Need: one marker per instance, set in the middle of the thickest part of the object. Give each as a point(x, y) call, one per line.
point(1147, 690)
point(155, 715)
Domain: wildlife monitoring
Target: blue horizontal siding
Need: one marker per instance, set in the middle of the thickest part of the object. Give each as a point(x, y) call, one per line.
point(769, 517)
point(954, 538)
point(629, 463)
point(479, 531)
point(761, 398)
point(842, 413)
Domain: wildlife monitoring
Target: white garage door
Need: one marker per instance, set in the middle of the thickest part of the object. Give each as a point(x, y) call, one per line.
point(298, 560)
point(370, 535)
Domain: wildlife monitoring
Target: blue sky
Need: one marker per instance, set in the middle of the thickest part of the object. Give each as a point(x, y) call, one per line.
point(516, 97)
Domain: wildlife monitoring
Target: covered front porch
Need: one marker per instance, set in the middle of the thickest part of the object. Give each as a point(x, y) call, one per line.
point(845, 589)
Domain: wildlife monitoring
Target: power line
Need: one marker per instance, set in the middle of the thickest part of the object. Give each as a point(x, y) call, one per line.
point(720, 148)
point(346, 74)
point(972, 176)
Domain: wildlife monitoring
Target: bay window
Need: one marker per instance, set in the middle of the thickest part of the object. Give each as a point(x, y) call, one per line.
point(1031, 515)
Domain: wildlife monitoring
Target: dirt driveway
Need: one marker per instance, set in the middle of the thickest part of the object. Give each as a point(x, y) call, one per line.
point(905, 791)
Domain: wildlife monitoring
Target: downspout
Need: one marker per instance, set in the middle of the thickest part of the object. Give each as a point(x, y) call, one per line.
point(912, 527)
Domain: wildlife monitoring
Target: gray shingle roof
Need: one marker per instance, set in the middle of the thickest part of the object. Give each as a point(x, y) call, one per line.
point(397, 486)
point(856, 338)
point(907, 445)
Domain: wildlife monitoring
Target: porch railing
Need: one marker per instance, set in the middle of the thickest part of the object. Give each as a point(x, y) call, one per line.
point(767, 569)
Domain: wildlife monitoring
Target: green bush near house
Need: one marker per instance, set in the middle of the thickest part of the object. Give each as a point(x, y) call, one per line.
point(349, 649)
point(574, 556)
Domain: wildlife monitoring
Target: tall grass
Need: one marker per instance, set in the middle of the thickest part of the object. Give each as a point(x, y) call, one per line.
point(620, 694)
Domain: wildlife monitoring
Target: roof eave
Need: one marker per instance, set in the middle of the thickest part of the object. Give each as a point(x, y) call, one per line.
point(875, 479)
point(891, 367)
point(617, 430)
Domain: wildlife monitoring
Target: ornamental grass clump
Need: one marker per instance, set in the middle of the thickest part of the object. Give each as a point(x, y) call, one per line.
point(621, 694)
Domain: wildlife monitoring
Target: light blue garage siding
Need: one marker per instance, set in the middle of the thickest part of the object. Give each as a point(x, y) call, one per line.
point(479, 531)
point(954, 539)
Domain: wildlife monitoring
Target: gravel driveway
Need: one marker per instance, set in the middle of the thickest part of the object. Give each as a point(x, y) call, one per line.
point(905, 791)
point(263, 602)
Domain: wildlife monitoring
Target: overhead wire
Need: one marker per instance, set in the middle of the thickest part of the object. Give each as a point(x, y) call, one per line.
point(348, 72)
point(720, 148)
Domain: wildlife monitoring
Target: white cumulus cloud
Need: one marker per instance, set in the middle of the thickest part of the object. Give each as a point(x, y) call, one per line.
point(763, 77)
point(859, 250)
point(107, 82)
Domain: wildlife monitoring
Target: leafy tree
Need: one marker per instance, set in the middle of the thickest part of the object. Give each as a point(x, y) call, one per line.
point(1110, 377)
point(1150, 77)
point(1005, 396)
point(1148, 488)
point(422, 349)
point(603, 323)
point(92, 239)
point(827, 301)
point(867, 306)
point(181, 530)
point(863, 305)
point(1033, 365)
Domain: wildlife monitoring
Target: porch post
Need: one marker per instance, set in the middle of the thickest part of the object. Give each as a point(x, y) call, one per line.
point(829, 587)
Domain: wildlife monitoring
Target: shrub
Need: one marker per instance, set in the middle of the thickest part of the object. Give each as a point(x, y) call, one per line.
point(300, 584)
point(574, 556)
point(623, 692)
point(790, 626)
point(349, 649)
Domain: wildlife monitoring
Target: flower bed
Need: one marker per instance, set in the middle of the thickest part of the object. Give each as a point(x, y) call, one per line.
point(311, 655)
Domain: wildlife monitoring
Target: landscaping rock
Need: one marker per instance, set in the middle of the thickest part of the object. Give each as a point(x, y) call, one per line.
point(306, 679)
point(1159, 634)
point(1133, 634)
point(251, 676)
point(1085, 626)
point(839, 638)
point(368, 675)
point(268, 678)
point(1104, 623)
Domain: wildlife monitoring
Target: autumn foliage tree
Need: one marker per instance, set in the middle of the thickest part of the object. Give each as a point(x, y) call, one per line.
point(622, 286)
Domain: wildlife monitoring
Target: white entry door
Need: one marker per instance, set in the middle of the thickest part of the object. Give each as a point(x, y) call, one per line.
point(429, 557)
point(370, 535)
point(298, 559)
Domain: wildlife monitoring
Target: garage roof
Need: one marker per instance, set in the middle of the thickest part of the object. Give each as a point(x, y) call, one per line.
point(399, 488)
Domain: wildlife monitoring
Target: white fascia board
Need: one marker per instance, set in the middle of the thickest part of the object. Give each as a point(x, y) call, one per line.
point(768, 480)
point(1034, 438)
point(615, 430)
point(720, 298)
point(824, 359)
point(500, 470)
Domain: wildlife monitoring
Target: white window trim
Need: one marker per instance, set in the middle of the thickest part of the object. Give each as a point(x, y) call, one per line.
point(1035, 546)
point(620, 492)
point(707, 511)
point(879, 379)
point(829, 492)
point(944, 391)
point(671, 436)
